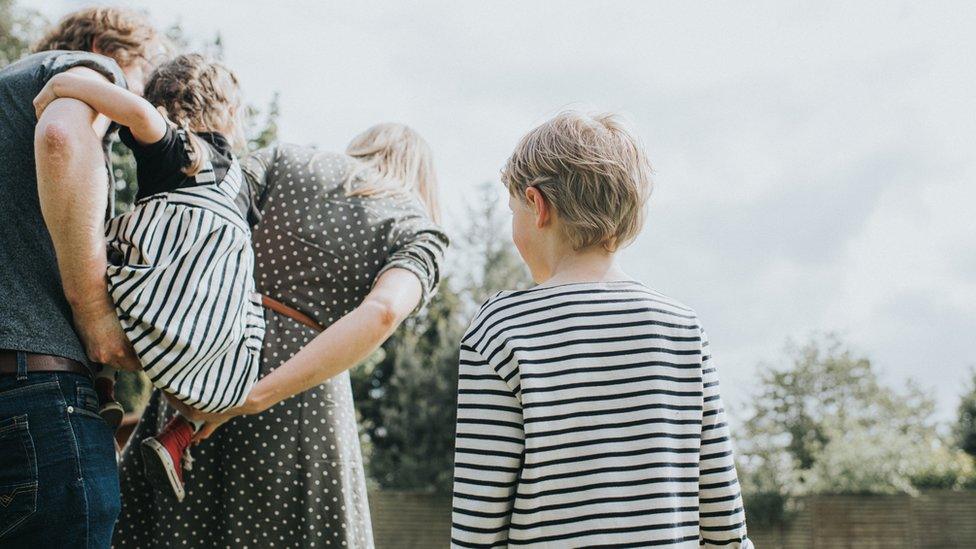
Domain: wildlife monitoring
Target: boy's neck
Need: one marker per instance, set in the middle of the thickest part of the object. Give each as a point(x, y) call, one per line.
point(590, 265)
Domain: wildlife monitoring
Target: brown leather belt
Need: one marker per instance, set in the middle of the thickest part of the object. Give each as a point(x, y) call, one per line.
point(291, 313)
point(41, 363)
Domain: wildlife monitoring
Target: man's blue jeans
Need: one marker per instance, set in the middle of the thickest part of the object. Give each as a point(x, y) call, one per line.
point(59, 482)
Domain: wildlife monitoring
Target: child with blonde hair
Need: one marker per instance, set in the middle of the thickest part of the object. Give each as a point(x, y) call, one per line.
point(588, 406)
point(181, 269)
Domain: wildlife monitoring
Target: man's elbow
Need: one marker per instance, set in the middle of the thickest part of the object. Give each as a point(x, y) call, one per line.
point(57, 137)
point(64, 126)
point(53, 136)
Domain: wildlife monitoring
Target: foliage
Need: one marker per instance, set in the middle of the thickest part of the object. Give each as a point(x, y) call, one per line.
point(965, 428)
point(827, 390)
point(946, 468)
point(813, 416)
point(406, 401)
point(18, 28)
point(823, 422)
point(489, 260)
point(765, 509)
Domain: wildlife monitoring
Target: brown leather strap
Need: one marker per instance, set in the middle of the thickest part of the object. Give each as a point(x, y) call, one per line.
point(41, 363)
point(293, 314)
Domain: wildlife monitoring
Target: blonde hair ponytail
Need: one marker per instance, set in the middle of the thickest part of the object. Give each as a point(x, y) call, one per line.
point(393, 158)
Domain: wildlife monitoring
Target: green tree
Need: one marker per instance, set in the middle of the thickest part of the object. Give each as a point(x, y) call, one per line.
point(406, 396)
point(823, 422)
point(18, 28)
point(406, 400)
point(824, 390)
point(965, 428)
point(485, 246)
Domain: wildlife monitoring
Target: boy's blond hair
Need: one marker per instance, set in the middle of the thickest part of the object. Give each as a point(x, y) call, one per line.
point(591, 171)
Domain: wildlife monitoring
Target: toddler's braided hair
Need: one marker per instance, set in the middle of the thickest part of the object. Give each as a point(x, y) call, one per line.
point(198, 95)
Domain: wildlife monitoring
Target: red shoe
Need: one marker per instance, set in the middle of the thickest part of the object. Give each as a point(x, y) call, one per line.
point(162, 456)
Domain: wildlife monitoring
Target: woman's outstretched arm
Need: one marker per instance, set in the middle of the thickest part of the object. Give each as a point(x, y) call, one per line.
point(344, 344)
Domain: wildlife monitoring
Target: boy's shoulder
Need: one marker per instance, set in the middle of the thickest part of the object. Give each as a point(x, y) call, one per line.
point(492, 309)
point(485, 312)
point(486, 305)
point(671, 302)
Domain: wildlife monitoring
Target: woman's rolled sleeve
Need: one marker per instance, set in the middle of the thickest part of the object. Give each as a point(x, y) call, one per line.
point(418, 246)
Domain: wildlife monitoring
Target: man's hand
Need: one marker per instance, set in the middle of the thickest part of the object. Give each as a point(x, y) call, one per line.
point(104, 341)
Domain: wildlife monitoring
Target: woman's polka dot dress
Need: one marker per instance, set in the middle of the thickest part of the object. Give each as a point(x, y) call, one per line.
point(292, 476)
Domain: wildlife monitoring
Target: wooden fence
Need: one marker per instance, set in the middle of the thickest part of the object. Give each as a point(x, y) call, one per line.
point(933, 520)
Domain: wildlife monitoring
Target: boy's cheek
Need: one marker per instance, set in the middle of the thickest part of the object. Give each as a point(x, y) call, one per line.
point(522, 237)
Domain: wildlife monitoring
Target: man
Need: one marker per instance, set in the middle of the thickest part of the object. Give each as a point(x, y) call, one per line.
point(58, 474)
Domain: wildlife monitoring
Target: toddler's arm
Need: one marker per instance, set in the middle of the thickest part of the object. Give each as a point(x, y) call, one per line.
point(124, 107)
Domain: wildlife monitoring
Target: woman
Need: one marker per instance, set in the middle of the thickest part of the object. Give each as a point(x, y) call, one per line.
point(349, 241)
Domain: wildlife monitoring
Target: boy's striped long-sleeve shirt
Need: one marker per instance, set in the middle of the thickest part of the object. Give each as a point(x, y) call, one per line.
point(589, 415)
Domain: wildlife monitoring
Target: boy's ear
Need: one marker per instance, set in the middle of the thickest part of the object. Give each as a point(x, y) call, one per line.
point(539, 206)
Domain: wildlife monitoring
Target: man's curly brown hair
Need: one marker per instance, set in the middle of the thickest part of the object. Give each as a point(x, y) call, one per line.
point(119, 33)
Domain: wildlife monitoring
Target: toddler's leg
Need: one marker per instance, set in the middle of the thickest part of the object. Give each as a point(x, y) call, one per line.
point(110, 409)
point(166, 455)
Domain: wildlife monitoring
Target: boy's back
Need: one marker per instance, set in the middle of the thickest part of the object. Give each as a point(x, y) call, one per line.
point(589, 415)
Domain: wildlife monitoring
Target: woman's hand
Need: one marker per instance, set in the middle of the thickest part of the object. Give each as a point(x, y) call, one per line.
point(207, 430)
point(212, 421)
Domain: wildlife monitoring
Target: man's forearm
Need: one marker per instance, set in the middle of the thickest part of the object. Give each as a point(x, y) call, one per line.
point(72, 185)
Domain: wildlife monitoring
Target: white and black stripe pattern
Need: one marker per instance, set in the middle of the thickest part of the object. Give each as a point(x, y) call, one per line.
point(589, 416)
point(185, 291)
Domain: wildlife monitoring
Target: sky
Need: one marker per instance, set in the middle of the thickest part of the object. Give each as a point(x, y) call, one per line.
point(814, 162)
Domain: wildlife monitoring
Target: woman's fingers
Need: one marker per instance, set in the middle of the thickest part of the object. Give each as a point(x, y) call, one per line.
point(212, 421)
point(207, 430)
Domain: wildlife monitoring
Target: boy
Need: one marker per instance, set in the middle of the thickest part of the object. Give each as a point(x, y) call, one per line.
point(588, 406)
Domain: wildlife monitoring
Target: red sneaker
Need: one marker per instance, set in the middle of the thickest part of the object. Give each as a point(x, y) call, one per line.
point(162, 456)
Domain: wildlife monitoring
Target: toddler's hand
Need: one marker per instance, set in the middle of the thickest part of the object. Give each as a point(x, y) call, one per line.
point(44, 98)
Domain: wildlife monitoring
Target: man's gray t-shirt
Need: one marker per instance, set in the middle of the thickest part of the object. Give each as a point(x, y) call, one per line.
point(34, 314)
